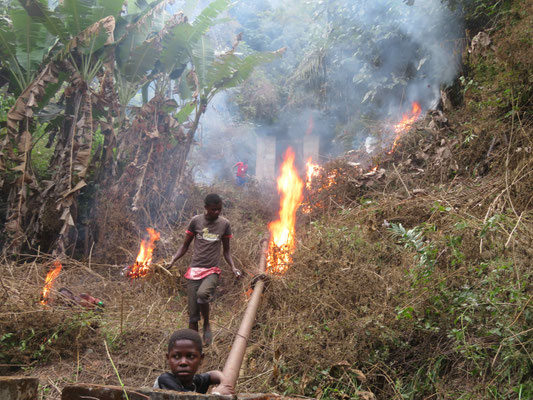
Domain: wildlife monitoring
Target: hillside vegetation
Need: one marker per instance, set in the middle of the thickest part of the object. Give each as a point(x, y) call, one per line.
point(414, 284)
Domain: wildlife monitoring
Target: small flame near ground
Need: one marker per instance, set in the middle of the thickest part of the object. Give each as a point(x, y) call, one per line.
point(282, 231)
point(49, 281)
point(405, 124)
point(312, 170)
point(141, 268)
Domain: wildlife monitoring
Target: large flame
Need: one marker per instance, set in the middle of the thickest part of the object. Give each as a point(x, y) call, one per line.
point(49, 281)
point(144, 259)
point(282, 231)
point(405, 124)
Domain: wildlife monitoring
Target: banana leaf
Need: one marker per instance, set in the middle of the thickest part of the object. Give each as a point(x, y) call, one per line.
point(138, 48)
point(32, 43)
point(80, 14)
point(77, 14)
point(207, 18)
point(38, 10)
point(175, 46)
point(185, 111)
point(140, 61)
point(184, 90)
point(183, 37)
point(8, 57)
point(232, 70)
point(203, 55)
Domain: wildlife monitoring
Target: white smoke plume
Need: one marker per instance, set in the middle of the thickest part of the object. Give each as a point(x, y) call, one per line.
point(375, 58)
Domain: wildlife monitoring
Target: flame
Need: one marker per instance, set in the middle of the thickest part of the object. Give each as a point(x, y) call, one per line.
point(144, 259)
point(405, 124)
point(311, 171)
point(282, 242)
point(332, 177)
point(49, 281)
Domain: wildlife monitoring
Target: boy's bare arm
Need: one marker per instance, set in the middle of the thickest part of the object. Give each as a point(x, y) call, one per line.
point(229, 258)
point(182, 250)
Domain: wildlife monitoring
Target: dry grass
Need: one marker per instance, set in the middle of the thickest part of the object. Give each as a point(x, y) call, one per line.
point(330, 328)
point(62, 344)
point(333, 313)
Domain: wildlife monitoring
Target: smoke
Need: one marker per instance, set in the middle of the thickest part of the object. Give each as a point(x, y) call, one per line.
point(221, 142)
point(386, 56)
point(353, 65)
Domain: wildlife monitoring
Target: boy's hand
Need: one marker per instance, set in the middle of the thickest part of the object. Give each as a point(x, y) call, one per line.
point(171, 264)
point(237, 272)
point(224, 389)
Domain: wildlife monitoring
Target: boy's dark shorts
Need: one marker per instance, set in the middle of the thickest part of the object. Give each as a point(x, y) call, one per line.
point(200, 292)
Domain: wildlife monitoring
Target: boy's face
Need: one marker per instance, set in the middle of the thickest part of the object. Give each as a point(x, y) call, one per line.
point(212, 211)
point(184, 360)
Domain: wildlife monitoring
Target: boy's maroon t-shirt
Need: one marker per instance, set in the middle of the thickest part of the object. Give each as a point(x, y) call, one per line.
point(207, 240)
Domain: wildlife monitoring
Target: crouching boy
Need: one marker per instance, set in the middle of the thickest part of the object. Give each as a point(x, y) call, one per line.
point(185, 354)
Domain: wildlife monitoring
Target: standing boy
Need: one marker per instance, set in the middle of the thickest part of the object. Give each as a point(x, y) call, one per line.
point(209, 231)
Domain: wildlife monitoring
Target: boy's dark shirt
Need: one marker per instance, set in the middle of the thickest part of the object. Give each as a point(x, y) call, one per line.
point(168, 381)
point(207, 240)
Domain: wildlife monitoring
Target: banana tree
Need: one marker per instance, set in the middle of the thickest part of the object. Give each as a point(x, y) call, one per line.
point(100, 59)
point(184, 74)
point(81, 29)
point(200, 74)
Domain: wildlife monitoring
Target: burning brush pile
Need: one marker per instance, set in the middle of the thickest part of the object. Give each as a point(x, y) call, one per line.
point(47, 305)
point(336, 183)
point(426, 151)
point(142, 266)
point(64, 296)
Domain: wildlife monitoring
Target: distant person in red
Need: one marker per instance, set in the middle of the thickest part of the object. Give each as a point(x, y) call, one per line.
point(242, 167)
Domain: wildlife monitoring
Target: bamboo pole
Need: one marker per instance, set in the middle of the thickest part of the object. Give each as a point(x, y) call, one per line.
point(236, 354)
